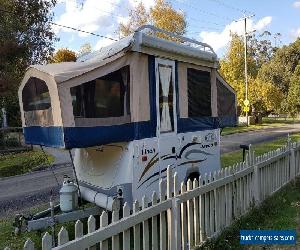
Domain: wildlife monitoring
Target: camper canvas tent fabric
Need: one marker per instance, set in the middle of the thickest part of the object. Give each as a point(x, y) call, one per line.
point(110, 97)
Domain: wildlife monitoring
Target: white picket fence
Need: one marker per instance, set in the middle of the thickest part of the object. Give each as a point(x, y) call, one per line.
point(184, 215)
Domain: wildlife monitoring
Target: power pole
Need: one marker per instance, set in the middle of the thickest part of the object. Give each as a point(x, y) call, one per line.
point(246, 68)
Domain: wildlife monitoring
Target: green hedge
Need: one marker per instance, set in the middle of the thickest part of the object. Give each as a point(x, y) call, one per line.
point(20, 163)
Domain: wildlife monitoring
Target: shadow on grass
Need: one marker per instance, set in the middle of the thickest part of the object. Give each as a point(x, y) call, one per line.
point(278, 212)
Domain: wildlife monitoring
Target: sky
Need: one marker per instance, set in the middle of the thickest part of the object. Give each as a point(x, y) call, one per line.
point(209, 21)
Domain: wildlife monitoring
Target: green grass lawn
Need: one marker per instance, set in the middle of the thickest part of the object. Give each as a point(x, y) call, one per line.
point(278, 212)
point(16, 242)
point(229, 159)
point(23, 162)
point(7, 237)
point(267, 123)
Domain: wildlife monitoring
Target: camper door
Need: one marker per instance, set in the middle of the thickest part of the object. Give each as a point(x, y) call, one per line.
point(166, 114)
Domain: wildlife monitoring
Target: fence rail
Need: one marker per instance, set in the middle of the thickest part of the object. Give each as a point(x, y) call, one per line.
point(184, 215)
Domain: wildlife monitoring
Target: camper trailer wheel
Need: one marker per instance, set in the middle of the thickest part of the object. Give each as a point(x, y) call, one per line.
point(192, 176)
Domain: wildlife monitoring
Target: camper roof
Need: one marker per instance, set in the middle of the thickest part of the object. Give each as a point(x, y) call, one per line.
point(144, 40)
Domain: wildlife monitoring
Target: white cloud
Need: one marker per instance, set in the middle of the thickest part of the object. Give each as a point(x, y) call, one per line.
point(103, 42)
point(89, 17)
point(219, 40)
point(262, 23)
point(295, 33)
point(95, 16)
point(147, 3)
point(296, 4)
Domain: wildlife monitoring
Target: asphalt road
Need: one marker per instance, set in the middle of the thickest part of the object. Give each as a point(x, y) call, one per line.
point(24, 191)
point(232, 142)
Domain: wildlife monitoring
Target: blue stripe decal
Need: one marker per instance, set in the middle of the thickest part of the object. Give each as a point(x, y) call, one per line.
point(81, 137)
point(197, 124)
point(45, 136)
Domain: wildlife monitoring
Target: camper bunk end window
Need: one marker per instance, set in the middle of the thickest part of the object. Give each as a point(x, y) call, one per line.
point(226, 103)
point(199, 93)
point(36, 103)
point(103, 101)
point(226, 100)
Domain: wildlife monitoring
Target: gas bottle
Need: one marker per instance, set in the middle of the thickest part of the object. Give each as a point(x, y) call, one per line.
point(68, 195)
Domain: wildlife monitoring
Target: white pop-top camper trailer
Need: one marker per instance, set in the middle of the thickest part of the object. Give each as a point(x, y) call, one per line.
point(130, 110)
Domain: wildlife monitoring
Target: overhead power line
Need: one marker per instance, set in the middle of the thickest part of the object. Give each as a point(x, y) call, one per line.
point(226, 5)
point(83, 31)
point(65, 26)
point(204, 21)
point(204, 11)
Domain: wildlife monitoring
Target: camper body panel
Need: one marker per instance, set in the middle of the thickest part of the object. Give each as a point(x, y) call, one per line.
point(130, 112)
point(136, 167)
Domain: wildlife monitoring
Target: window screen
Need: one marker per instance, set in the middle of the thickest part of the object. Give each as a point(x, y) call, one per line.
point(166, 111)
point(107, 96)
point(35, 95)
point(199, 93)
point(226, 100)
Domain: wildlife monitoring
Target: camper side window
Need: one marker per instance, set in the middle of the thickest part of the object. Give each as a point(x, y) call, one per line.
point(199, 93)
point(107, 96)
point(35, 95)
point(226, 100)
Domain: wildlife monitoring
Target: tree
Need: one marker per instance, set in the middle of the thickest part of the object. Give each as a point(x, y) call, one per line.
point(166, 18)
point(161, 15)
point(293, 100)
point(282, 66)
point(26, 38)
point(263, 95)
point(63, 55)
point(232, 67)
point(261, 48)
point(137, 17)
point(84, 49)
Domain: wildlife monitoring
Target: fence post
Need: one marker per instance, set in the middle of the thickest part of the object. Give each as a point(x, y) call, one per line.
point(163, 222)
point(190, 216)
point(154, 223)
point(292, 165)
point(145, 226)
point(78, 229)
point(91, 228)
point(256, 186)
point(169, 212)
point(115, 238)
point(47, 241)
point(176, 229)
point(136, 228)
point(29, 245)
point(103, 223)
point(289, 141)
point(126, 233)
point(63, 236)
